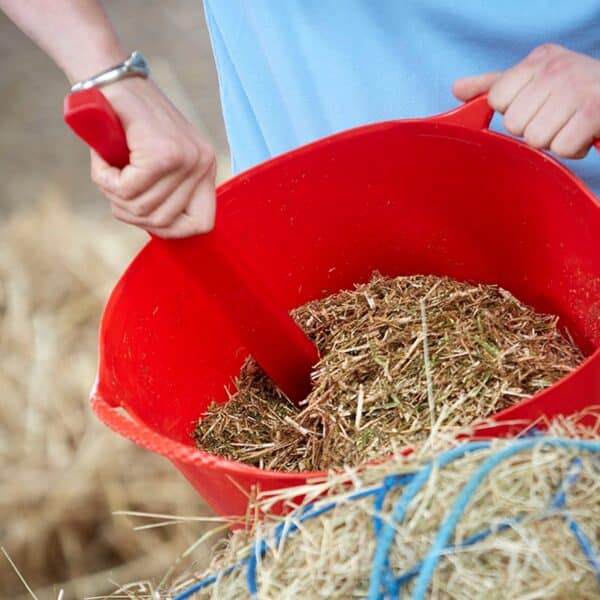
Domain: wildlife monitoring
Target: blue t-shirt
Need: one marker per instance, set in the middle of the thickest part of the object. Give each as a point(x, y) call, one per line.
point(291, 71)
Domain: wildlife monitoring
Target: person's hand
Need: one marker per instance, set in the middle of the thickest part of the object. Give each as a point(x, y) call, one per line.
point(551, 99)
point(169, 186)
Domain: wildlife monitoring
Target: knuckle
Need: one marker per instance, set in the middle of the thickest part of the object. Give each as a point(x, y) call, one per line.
point(139, 209)
point(127, 191)
point(512, 124)
point(208, 162)
point(206, 151)
point(590, 108)
point(560, 64)
point(160, 220)
point(563, 148)
point(202, 156)
point(499, 96)
point(544, 51)
point(535, 136)
point(495, 99)
point(209, 159)
point(574, 88)
point(191, 156)
point(169, 156)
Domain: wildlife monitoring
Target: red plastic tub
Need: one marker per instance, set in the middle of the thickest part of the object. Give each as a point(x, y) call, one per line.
point(441, 196)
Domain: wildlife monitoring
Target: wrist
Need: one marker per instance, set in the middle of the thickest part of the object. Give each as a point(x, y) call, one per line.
point(98, 55)
point(126, 88)
point(134, 66)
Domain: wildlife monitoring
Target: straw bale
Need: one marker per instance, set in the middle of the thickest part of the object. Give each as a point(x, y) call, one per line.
point(63, 473)
point(331, 556)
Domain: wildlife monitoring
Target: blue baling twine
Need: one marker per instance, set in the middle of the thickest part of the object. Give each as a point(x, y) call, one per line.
point(388, 532)
point(468, 491)
point(558, 501)
point(383, 582)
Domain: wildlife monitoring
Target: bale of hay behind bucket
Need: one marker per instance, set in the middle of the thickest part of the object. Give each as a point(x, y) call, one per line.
point(503, 519)
point(63, 473)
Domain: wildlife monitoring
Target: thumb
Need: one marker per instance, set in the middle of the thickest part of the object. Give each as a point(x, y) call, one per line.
point(469, 87)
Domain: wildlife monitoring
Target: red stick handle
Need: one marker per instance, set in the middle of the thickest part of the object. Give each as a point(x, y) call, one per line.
point(91, 117)
point(274, 339)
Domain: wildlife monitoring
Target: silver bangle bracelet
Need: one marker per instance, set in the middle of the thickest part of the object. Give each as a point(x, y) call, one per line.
point(134, 66)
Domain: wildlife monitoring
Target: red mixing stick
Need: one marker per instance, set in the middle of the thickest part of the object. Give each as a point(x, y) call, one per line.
point(272, 337)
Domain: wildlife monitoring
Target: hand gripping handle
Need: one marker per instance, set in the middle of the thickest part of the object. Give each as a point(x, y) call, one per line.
point(281, 347)
point(474, 114)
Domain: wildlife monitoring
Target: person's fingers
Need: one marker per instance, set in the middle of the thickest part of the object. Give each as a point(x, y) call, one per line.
point(549, 120)
point(469, 87)
point(190, 209)
point(150, 200)
point(525, 106)
point(199, 215)
point(551, 98)
point(505, 89)
point(168, 163)
point(183, 226)
point(576, 137)
point(167, 213)
point(145, 168)
point(124, 216)
point(203, 202)
point(102, 174)
point(118, 186)
point(167, 207)
point(200, 221)
point(195, 198)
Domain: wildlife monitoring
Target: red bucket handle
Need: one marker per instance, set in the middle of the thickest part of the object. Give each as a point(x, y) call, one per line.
point(474, 114)
point(145, 437)
point(139, 433)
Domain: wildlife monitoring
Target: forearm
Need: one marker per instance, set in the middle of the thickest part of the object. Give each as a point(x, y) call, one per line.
point(76, 34)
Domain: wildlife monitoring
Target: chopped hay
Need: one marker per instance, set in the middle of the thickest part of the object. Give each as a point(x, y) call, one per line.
point(535, 556)
point(63, 472)
point(396, 353)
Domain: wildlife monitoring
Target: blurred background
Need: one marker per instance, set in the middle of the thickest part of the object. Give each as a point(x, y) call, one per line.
point(62, 473)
